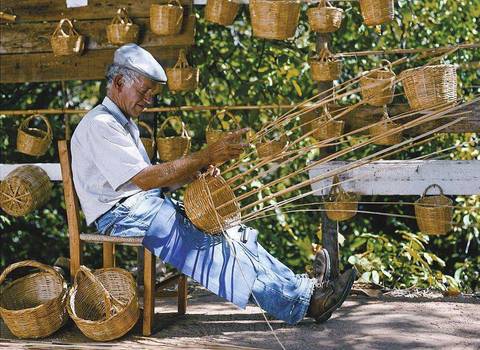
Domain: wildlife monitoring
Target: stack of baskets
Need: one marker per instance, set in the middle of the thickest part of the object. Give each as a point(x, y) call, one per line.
point(340, 205)
point(182, 77)
point(325, 18)
point(274, 19)
point(386, 127)
point(222, 12)
point(434, 213)
point(172, 147)
point(325, 67)
point(325, 127)
point(33, 141)
point(122, 30)
point(66, 43)
point(377, 12)
point(213, 135)
point(378, 86)
point(148, 142)
point(166, 19)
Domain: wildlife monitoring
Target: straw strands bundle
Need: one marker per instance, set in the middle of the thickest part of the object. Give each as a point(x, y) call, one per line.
point(122, 30)
point(325, 18)
point(182, 77)
point(222, 12)
point(172, 147)
point(66, 43)
point(325, 67)
point(340, 205)
point(33, 141)
point(33, 306)
point(377, 12)
point(274, 19)
point(213, 135)
point(378, 86)
point(148, 142)
point(166, 19)
point(434, 213)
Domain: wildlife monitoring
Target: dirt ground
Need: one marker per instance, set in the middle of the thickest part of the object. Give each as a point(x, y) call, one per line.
point(362, 323)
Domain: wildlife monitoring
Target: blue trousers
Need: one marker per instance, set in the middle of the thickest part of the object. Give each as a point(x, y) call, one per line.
point(233, 265)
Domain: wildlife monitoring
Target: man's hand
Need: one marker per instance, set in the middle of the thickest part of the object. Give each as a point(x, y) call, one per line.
point(227, 148)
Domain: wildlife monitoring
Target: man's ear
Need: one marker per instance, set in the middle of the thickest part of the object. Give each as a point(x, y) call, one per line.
point(118, 82)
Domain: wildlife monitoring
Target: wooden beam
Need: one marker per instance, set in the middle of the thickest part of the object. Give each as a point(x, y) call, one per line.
point(52, 169)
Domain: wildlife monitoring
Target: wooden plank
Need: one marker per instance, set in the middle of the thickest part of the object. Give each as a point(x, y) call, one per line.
point(31, 38)
point(52, 169)
point(403, 177)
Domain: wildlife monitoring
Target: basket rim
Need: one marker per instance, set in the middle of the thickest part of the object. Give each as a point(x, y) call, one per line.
point(429, 67)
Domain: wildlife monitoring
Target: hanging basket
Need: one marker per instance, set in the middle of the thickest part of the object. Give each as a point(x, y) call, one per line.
point(268, 149)
point(340, 205)
point(24, 189)
point(33, 141)
point(33, 306)
point(211, 204)
point(377, 12)
point(66, 43)
point(166, 19)
point(182, 77)
point(148, 142)
point(384, 127)
point(103, 304)
point(172, 147)
point(378, 86)
point(325, 67)
point(430, 86)
point(122, 30)
point(434, 213)
point(325, 127)
point(324, 18)
point(274, 19)
point(213, 135)
point(222, 12)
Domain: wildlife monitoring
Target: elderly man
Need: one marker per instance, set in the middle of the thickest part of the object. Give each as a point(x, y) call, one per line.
point(123, 194)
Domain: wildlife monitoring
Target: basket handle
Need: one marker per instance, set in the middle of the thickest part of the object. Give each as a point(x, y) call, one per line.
point(59, 28)
point(146, 127)
point(121, 17)
point(170, 2)
point(326, 112)
point(432, 186)
point(164, 124)
point(387, 65)
point(222, 113)
point(30, 263)
point(182, 60)
point(26, 121)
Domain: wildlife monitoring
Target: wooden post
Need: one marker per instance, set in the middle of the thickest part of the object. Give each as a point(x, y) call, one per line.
point(148, 292)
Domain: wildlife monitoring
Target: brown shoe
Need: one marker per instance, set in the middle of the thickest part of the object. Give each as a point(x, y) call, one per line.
point(329, 298)
point(321, 267)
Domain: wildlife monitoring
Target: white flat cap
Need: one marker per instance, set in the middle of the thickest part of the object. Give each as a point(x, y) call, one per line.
point(141, 61)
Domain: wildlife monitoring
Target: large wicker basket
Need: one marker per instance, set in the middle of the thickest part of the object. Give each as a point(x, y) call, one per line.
point(377, 12)
point(325, 67)
point(33, 141)
point(166, 19)
point(385, 127)
point(122, 30)
point(213, 135)
point(211, 204)
point(222, 12)
point(33, 306)
point(340, 205)
point(430, 86)
point(103, 304)
point(172, 147)
point(274, 19)
point(325, 18)
point(378, 86)
point(66, 43)
point(434, 213)
point(182, 77)
point(24, 189)
point(148, 142)
point(325, 127)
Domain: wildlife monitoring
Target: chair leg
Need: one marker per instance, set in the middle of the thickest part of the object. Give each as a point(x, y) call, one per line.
point(182, 295)
point(75, 257)
point(148, 291)
point(108, 254)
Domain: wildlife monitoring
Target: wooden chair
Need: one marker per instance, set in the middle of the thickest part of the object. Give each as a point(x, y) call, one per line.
point(76, 239)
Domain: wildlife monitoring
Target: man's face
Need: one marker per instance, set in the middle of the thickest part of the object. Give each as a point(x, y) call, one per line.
point(135, 98)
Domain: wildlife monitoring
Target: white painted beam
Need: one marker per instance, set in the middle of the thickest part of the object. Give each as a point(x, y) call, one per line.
point(52, 169)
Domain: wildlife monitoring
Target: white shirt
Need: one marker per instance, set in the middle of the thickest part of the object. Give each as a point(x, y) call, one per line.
point(106, 153)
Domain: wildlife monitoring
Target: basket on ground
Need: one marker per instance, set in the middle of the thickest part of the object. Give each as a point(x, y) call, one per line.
point(222, 12)
point(182, 77)
point(377, 12)
point(434, 213)
point(340, 205)
point(148, 142)
point(122, 30)
point(66, 43)
point(378, 85)
point(172, 147)
point(33, 141)
point(386, 127)
point(325, 18)
point(325, 127)
point(33, 306)
point(274, 19)
point(166, 19)
point(213, 135)
point(325, 67)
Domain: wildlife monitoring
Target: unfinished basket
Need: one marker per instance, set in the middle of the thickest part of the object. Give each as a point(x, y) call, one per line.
point(434, 213)
point(166, 19)
point(213, 135)
point(325, 18)
point(386, 127)
point(148, 142)
point(172, 147)
point(430, 86)
point(182, 77)
point(377, 12)
point(325, 127)
point(33, 306)
point(274, 19)
point(340, 205)
point(378, 85)
point(65, 43)
point(122, 30)
point(33, 141)
point(103, 304)
point(271, 148)
point(325, 67)
point(211, 204)
point(24, 189)
point(222, 12)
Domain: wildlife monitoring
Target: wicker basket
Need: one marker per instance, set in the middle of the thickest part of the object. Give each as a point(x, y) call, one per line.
point(204, 204)
point(274, 19)
point(182, 77)
point(33, 141)
point(66, 43)
point(325, 67)
point(325, 18)
point(378, 86)
point(148, 142)
point(33, 306)
point(166, 19)
point(340, 205)
point(172, 147)
point(103, 304)
point(325, 127)
point(24, 189)
point(385, 126)
point(306, 121)
point(222, 12)
point(430, 86)
point(122, 30)
point(434, 213)
point(268, 149)
point(377, 12)
point(213, 135)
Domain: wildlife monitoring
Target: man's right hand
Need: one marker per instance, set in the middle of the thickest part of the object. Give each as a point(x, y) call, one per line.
point(227, 148)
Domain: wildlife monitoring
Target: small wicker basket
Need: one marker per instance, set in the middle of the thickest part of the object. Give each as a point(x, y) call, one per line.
point(267, 149)
point(325, 127)
point(325, 18)
point(378, 86)
point(182, 77)
point(434, 213)
point(33, 141)
point(213, 135)
point(166, 19)
point(340, 205)
point(385, 127)
point(430, 86)
point(377, 12)
point(222, 12)
point(66, 43)
point(172, 147)
point(103, 304)
point(33, 306)
point(274, 19)
point(211, 204)
point(325, 67)
point(122, 30)
point(148, 142)
point(24, 189)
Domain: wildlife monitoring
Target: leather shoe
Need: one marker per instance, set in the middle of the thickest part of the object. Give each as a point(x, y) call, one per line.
point(321, 267)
